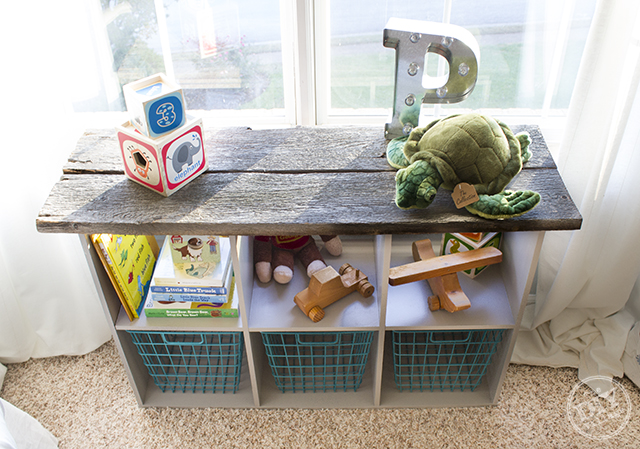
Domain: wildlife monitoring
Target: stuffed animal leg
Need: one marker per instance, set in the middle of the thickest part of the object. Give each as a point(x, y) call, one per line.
point(275, 256)
point(283, 260)
point(332, 244)
point(262, 256)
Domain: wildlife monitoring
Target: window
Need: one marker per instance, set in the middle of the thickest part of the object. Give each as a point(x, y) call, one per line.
point(306, 62)
point(529, 53)
point(226, 55)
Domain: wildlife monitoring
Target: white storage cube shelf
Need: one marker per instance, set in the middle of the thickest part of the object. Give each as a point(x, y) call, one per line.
point(497, 297)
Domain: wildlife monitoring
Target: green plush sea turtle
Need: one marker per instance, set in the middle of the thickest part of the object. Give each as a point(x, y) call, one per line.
point(469, 148)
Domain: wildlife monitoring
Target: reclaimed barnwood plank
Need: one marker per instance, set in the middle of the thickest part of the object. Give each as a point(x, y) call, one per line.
point(284, 203)
point(300, 149)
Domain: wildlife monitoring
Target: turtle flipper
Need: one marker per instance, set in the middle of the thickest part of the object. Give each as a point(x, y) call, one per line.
point(395, 155)
point(417, 185)
point(525, 142)
point(507, 204)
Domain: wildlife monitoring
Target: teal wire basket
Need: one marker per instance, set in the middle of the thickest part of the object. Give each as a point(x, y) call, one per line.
point(202, 362)
point(317, 361)
point(437, 360)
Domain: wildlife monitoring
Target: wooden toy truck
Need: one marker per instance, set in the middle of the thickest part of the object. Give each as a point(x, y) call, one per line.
point(327, 286)
point(441, 273)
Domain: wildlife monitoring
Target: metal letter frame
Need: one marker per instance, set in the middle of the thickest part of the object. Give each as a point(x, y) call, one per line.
point(413, 39)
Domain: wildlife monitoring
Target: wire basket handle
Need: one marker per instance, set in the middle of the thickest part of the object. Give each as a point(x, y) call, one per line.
point(318, 343)
point(183, 343)
point(463, 340)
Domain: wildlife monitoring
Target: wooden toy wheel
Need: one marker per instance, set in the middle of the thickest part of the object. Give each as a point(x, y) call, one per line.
point(316, 314)
point(365, 289)
point(434, 303)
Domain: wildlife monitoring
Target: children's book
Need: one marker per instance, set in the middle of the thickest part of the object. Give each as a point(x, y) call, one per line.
point(187, 290)
point(115, 281)
point(129, 260)
point(187, 297)
point(192, 273)
point(162, 309)
point(194, 248)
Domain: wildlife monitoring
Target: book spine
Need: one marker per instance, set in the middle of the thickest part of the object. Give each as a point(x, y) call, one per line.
point(190, 313)
point(177, 297)
point(171, 282)
point(189, 290)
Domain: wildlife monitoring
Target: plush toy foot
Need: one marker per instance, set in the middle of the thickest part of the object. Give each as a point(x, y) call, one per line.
point(263, 271)
point(282, 274)
point(315, 266)
point(507, 204)
point(395, 155)
point(334, 246)
point(417, 185)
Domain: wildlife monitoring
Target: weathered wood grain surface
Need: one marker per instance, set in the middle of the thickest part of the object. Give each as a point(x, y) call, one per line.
point(301, 149)
point(305, 180)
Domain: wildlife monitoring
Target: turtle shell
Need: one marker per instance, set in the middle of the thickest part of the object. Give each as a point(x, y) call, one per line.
point(471, 148)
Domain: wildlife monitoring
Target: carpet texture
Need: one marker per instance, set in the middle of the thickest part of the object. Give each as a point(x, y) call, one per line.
point(86, 402)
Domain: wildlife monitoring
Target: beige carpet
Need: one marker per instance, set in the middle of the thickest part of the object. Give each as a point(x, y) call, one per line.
point(86, 402)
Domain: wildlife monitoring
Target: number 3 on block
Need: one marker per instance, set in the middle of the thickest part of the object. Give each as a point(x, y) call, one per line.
point(167, 115)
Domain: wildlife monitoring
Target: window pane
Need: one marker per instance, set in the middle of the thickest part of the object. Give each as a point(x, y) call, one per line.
point(224, 54)
point(132, 30)
point(362, 70)
point(529, 50)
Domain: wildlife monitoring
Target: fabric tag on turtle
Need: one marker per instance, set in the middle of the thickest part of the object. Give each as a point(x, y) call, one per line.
point(464, 194)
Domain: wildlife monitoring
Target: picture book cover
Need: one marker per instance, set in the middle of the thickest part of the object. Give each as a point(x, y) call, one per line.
point(192, 274)
point(194, 248)
point(132, 261)
point(115, 281)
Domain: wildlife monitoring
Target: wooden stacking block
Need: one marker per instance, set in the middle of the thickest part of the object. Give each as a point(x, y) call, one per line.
point(165, 164)
point(156, 105)
point(441, 273)
point(453, 242)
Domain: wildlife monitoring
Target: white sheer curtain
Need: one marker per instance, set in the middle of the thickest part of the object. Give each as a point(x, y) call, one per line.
point(581, 316)
point(48, 304)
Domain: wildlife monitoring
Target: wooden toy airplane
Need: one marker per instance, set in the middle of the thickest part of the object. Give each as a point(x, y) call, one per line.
point(441, 273)
point(327, 286)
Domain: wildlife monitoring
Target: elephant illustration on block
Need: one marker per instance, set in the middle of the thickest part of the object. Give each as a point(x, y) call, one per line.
point(184, 155)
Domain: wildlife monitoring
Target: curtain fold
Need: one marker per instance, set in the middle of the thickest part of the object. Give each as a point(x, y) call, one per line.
point(585, 277)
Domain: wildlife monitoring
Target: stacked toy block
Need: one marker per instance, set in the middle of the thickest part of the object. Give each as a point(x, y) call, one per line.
point(453, 242)
point(162, 147)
